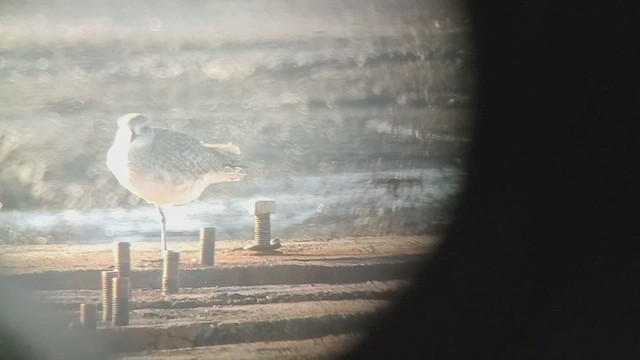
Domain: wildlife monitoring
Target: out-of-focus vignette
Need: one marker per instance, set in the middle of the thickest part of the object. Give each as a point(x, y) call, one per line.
point(353, 119)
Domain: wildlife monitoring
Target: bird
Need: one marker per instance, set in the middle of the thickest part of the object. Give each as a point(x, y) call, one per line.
point(166, 167)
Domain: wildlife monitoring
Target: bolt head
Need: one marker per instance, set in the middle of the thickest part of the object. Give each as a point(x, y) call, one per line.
point(264, 207)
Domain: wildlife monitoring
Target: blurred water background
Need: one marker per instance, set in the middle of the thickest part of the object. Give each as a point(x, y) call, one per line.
point(323, 97)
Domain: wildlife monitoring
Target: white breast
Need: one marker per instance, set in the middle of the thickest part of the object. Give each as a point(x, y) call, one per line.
point(117, 157)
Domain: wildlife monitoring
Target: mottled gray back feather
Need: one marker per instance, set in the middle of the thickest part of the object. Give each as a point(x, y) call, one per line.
point(177, 155)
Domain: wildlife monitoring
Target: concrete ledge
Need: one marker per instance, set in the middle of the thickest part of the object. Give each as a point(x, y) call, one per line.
point(144, 338)
point(70, 300)
point(228, 276)
point(326, 347)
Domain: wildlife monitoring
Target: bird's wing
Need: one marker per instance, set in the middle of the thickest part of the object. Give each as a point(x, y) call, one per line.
point(181, 154)
point(228, 153)
point(227, 148)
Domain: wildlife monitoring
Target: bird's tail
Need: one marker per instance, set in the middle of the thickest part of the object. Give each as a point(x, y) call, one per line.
point(230, 154)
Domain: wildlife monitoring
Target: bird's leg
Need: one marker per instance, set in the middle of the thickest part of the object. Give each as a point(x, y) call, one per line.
point(163, 234)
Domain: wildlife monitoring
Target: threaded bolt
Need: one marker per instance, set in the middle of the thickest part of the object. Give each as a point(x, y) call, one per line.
point(122, 257)
point(262, 229)
point(120, 306)
point(107, 294)
point(207, 245)
point(170, 272)
point(89, 316)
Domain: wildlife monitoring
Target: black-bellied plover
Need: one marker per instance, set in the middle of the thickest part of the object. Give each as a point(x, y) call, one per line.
point(166, 167)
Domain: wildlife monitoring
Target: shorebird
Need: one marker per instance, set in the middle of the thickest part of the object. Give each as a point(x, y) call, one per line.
point(166, 167)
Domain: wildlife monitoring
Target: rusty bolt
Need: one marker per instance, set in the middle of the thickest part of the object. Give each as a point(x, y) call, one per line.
point(262, 211)
point(120, 305)
point(170, 272)
point(207, 245)
point(89, 316)
point(107, 293)
point(122, 258)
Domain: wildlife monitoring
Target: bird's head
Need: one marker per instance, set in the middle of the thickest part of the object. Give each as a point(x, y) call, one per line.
point(136, 124)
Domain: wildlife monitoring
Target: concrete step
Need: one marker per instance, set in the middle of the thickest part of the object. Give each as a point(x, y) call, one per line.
point(320, 348)
point(331, 271)
point(70, 300)
point(186, 328)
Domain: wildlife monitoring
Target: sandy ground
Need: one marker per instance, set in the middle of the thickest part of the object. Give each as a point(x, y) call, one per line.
point(145, 255)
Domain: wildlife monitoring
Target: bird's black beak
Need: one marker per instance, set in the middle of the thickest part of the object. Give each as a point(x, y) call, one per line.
point(133, 136)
